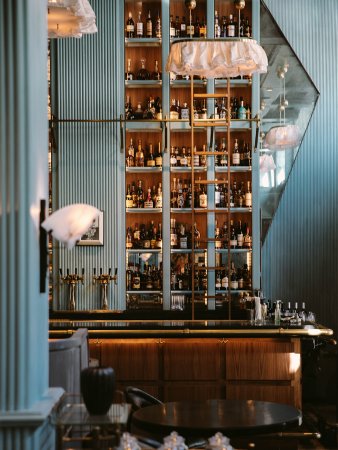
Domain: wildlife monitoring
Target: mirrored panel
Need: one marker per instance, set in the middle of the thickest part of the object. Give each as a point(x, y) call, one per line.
point(301, 96)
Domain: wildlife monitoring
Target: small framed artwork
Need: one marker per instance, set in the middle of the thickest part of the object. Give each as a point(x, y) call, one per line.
point(94, 235)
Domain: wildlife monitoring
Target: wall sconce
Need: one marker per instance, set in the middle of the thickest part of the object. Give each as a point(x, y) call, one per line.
point(70, 18)
point(67, 225)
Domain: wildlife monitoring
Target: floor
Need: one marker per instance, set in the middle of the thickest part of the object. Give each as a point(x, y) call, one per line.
point(320, 418)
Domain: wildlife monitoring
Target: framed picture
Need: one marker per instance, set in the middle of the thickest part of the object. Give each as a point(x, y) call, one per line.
point(94, 235)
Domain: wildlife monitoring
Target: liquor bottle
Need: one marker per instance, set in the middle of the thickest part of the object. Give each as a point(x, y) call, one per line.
point(203, 198)
point(222, 110)
point(174, 113)
point(217, 26)
point(248, 195)
point(149, 26)
point(152, 234)
point(136, 279)
point(224, 154)
point(218, 241)
point(217, 195)
point(129, 198)
point(129, 238)
point(139, 26)
point(173, 234)
point(231, 30)
point(218, 283)
point(151, 158)
point(129, 277)
point(185, 111)
point(177, 27)
point(133, 195)
point(129, 74)
point(233, 277)
point(203, 157)
point(225, 281)
point(247, 28)
point(129, 113)
point(183, 161)
point(224, 27)
point(240, 236)
point(189, 157)
point(173, 195)
point(233, 236)
point(139, 157)
point(130, 161)
point(183, 27)
point(130, 27)
point(203, 29)
point(225, 235)
point(197, 237)
point(247, 238)
point(241, 111)
point(235, 154)
point(173, 160)
point(183, 239)
point(216, 110)
point(158, 197)
point(156, 75)
point(172, 29)
point(158, 157)
point(149, 201)
point(190, 30)
point(158, 27)
point(143, 73)
point(137, 237)
point(180, 196)
point(138, 113)
point(197, 27)
point(196, 158)
point(159, 236)
point(140, 197)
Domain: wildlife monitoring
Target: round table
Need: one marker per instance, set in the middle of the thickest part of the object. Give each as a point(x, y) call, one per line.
point(205, 418)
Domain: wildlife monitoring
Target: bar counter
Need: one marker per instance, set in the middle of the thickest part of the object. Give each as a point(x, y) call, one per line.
point(183, 328)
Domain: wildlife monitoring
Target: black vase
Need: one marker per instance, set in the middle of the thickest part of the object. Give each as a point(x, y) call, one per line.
point(97, 388)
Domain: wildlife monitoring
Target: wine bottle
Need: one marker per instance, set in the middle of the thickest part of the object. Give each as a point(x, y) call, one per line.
point(203, 198)
point(139, 157)
point(158, 27)
point(149, 26)
point(217, 26)
point(129, 74)
point(248, 195)
point(156, 75)
point(172, 30)
point(235, 154)
point(231, 29)
point(158, 157)
point(130, 26)
point(139, 26)
point(130, 162)
point(151, 158)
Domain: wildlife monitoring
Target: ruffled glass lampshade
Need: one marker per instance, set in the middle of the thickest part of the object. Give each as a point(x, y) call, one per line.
point(282, 137)
point(70, 18)
point(217, 58)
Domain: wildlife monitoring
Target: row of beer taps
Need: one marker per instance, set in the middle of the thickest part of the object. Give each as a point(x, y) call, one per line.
point(73, 279)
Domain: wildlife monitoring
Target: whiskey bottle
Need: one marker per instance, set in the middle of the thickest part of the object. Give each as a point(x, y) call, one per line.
point(235, 154)
point(172, 29)
point(129, 113)
point(143, 73)
point(149, 26)
point(233, 236)
point(233, 277)
point(183, 238)
point(248, 195)
point(173, 160)
point(203, 198)
point(224, 27)
point(158, 198)
point(149, 201)
point(197, 237)
point(129, 74)
point(139, 157)
point(151, 158)
point(139, 26)
point(158, 157)
point(140, 195)
point(129, 198)
point(173, 234)
point(173, 195)
point(138, 113)
point(218, 241)
point(130, 161)
point(231, 30)
point(203, 29)
point(158, 27)
point(247, 239)
point(159, 236)
point(156, 75)
point(137, 236)
point(129, 238)
point(130, 27)
point(185, 111)
point(174, 112)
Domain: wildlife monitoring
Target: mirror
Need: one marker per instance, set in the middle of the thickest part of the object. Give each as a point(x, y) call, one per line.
point(302, 96)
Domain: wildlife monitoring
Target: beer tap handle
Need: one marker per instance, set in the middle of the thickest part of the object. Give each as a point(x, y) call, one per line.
point(60, 271)
point(82, 271)
point(115, 276)
point(94, 271)
point(75, 270)
point(109, 271)
point(67, 271)
point(100, 270)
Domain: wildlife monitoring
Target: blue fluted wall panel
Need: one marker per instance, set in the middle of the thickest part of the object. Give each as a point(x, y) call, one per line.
point(88, 154)
point(300, 254)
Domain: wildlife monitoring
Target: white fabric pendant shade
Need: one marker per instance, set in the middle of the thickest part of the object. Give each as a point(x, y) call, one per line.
point(219, 58)
point(70, 18)
point(282, 137)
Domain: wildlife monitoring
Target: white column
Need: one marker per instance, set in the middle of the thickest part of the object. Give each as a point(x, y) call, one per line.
point(25, 400)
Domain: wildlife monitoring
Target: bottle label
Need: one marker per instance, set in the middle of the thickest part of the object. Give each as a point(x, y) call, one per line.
point(151, 163)
point(218, 244)
point(217, 198)
point(129, 203)
point(173, 161)
point(139, 28)
point(233, 242)
point(129, 245)
point(158, 202)
point(180, 200)
point(196, 160)
point(203, 200)
point(235, 159)
point(136, 282)
point(174, 115)
point(146, 243)
point(184, 113)
point(148, 204)
point(172, 32)
point(240, 239)
point(234, 284)
point(130, 28)
point(190, 30)
point(184, 161)
point(149, 29)
point(159, 244)
point(173, 239)
point(248, 199)
point(158, 161)
point(225, 283)
point(184, 242)
point(231, 30)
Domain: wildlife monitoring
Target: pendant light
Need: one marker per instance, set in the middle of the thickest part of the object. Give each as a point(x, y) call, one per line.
point(284, 136)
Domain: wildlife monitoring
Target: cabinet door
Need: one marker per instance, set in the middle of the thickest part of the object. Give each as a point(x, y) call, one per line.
point(132, 359)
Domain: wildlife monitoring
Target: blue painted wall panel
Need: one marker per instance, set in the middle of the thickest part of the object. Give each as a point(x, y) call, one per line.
point(300, 254)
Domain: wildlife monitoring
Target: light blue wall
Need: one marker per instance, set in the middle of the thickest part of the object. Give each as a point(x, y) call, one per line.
point(300, 254)
point(90, 79)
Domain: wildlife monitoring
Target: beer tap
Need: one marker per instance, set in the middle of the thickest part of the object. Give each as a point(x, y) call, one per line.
point(104, 279)
point(72, 279)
